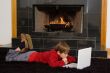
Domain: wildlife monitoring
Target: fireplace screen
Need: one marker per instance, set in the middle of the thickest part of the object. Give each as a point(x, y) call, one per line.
point(52, 18)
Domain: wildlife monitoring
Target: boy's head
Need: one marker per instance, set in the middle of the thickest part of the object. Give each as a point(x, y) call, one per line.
point(62, 49)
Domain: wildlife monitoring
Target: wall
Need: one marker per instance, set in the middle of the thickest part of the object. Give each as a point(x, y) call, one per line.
point(108, 25)
point(5, 22)
point(6, 6)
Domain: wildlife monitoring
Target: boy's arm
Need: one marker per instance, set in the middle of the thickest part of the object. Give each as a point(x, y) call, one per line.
point(54, 62)
point(71, 59)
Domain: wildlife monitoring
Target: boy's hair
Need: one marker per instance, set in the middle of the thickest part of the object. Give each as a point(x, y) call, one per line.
point(62, 47)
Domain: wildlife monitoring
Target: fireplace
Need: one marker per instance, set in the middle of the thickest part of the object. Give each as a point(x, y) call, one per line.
point(52, 18)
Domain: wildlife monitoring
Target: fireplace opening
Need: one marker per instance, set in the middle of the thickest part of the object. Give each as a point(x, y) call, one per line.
point(52, 18)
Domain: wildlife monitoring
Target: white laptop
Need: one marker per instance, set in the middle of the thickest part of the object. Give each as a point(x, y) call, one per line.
point(84, 59)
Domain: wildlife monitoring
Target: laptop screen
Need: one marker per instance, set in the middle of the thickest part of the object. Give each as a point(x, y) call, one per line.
point(84, 58)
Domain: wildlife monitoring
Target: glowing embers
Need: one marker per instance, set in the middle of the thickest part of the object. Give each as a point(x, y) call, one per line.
point(59, 20)
point(58, 24)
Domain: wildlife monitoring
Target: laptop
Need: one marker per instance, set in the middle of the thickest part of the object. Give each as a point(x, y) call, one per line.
point(84, 59)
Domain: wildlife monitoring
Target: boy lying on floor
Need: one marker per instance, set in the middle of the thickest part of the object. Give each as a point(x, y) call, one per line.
point(56, 57)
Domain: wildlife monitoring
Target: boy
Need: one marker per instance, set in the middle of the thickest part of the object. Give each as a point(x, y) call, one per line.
point(57, 57)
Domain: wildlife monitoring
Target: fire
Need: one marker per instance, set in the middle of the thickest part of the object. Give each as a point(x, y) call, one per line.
point(59, 20)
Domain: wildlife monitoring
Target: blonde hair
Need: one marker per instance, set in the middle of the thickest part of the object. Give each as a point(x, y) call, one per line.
point(29, 40)
point(25, 39)
point(22, 36)
point(62, 47)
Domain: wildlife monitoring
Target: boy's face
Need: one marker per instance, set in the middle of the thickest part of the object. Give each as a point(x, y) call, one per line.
point(63, 55)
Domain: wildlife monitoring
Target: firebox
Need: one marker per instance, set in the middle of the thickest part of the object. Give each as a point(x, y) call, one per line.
point(52, 18)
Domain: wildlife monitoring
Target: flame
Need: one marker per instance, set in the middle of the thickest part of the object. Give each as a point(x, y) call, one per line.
point(59, 20)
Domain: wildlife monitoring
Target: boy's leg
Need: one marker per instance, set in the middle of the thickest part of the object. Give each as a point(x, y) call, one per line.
point(23, 56)
point(12, 55)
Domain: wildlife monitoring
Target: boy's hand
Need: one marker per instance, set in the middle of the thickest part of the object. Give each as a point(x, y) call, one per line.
point(65, 60)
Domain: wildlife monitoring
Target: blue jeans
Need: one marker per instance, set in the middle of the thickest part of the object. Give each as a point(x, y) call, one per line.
point(12, 55)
